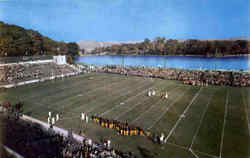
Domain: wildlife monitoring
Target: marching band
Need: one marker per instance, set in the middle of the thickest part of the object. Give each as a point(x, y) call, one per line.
point(121, 128)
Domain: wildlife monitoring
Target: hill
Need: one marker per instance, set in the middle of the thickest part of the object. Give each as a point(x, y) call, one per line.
point(18, 41)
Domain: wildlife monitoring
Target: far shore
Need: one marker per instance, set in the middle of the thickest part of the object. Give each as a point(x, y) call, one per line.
point(152, 67)
point(164, 55)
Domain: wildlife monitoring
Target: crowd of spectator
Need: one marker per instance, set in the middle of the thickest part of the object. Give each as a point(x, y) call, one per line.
point(193, 77)
point(23, 72)
point(32, 140)
point(15, 73)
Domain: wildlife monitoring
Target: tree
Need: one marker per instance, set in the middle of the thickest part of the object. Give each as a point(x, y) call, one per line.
point(17, 41)
point(159, 43)
point(171, 47)
point(73, 49)
point(242, 46)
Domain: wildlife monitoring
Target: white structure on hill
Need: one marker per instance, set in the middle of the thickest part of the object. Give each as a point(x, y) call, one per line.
point(60, 60)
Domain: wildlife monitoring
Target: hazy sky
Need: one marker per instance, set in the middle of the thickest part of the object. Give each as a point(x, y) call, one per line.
point(123, 20)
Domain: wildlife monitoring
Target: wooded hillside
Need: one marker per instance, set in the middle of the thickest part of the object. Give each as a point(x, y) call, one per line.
point(17, 41)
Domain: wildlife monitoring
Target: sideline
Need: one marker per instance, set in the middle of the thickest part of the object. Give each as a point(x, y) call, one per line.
point(55, 128)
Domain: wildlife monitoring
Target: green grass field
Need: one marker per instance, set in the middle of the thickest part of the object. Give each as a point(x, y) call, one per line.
point(199, 122)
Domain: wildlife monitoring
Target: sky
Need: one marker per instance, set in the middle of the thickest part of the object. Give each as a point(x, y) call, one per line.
point(129, 20)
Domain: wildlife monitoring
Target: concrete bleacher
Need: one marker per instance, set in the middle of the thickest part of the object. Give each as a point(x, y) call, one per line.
point(24, 72)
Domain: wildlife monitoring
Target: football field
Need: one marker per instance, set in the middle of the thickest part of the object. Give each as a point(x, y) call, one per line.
point(198, 122)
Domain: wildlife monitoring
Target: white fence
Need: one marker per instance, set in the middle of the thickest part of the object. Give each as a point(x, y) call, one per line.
point(29, 62)
point(58, 130)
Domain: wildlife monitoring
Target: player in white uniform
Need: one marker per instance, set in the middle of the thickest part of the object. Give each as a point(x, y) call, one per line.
point(162, 138)
point(87, 119)
point(49, 120)
point(53, 120)
point(153, 93)
point(57, 117)
point(166, 96)
point(83, 116)
point(149, 93)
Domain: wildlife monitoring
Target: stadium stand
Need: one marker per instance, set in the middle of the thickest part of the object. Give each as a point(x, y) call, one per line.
point(13, 74)
point(193, 77)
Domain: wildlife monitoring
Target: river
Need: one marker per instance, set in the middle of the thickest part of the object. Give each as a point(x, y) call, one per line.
point(183, 62)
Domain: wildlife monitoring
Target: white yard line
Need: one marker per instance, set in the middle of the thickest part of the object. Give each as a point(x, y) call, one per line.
point(151, 107)
point(224, 124)
point(196, 156)
point(137, 118)
point(129, 109)
point(112, 93)
point(67, 87)
point(118, 105)
point(127, 92)
point(176, 145)
point(177, 122)
point(69, 118)
point(200, 123)
point(164, 112)
point(213, 156)
point(92, 91)
point(186, 148)
point(95, 107)
point(61, 88)
point(49, 105)
point(246, 111)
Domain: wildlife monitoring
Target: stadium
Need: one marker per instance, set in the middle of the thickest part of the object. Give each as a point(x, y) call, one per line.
point(144, 115)
point(124, 79)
